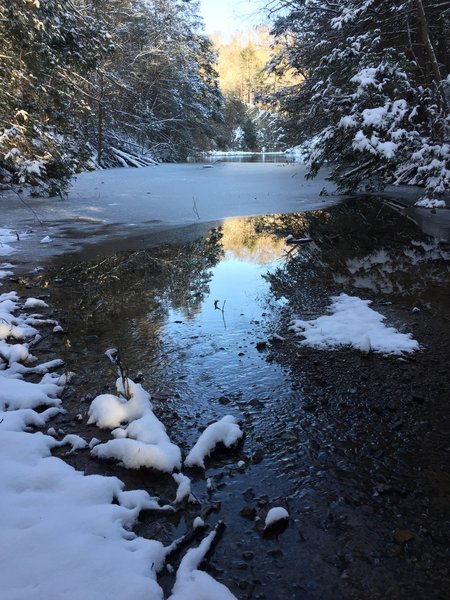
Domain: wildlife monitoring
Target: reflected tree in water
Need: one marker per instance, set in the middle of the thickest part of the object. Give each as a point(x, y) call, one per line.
point(129, 293)
point(363, 247)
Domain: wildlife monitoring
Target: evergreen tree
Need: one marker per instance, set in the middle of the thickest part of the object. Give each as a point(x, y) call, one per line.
point(101, 83)
point(375, 87)
point(46, 50)
point(158, 92)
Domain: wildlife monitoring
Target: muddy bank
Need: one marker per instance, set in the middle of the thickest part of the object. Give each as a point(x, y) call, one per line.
point(355, 446)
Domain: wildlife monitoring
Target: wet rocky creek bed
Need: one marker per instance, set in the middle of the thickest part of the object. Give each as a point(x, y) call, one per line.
point(355, 446)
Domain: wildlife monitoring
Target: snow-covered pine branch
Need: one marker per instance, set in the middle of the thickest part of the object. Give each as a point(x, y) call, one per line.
point(375, 90)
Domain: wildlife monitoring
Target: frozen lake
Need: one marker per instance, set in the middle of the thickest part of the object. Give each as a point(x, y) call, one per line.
point(156, 203)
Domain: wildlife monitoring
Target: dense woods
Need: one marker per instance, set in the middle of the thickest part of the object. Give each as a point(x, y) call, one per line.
point(87, 83)
point(102, 83)
point(375, 89)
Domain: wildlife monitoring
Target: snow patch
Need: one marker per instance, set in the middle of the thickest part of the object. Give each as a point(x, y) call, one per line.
point(144, 441)
point(64, 536)
point(192, 584)
point(353, 323)
point(276, 514)
point(184, 490)
point(35, 303)
point(198, 523)
point(225, 431)
point(430, 203)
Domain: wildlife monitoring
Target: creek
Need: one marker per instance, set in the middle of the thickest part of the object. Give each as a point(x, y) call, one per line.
point(355, 447)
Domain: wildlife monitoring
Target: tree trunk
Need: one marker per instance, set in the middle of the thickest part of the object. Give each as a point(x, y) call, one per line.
point(100, 124)
point(425, 33)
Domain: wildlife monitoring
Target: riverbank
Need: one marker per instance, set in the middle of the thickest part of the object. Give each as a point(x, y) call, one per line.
point(353, 444)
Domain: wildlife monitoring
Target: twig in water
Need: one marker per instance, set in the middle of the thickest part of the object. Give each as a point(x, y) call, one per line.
point(194, 207)
point(29, 208)
point(114, 356)
point(222, 310)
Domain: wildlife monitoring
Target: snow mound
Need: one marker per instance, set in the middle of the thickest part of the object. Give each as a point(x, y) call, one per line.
point(275, 515)
point(430, 203)
point(35, 303)
point(133, 454)
point(198, 523)
point(353, 323)
point(184, 491)
point(226, 431)
point(144, 441)
point(192, 584)
point(18, 394)
point(108, 411)
point(64, 536)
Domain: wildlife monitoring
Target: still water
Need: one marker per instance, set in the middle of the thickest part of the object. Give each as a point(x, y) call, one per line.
point(353, 446)
point(252, 157)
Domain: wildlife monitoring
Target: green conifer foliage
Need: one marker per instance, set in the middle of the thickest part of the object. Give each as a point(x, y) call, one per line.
point(374, 95)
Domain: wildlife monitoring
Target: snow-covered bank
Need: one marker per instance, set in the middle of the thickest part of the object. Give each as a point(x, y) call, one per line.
point(54, 521)
point(68, 535)
point(64, 537)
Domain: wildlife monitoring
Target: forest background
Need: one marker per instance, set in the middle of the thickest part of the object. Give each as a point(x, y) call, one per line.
point(88, 84)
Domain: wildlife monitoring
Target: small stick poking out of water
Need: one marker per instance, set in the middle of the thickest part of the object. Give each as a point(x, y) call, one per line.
point(194, 208)
point(114, 356)
point(222, 310)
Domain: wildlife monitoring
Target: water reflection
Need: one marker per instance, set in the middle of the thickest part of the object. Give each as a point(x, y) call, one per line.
point(245, 240)
point(162, 309)
point(364, 247)
point(264, 157)
point(343, 437)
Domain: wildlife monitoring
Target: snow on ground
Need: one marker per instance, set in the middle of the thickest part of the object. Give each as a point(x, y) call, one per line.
point(430, 203)
point(66, 535)
point(184, 491)
point(192, 584)
point(352, 322)
point(225, 431)
point(144, 441)
point(35, 303)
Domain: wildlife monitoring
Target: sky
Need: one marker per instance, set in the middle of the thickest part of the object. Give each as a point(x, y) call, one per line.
point(228, 16)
